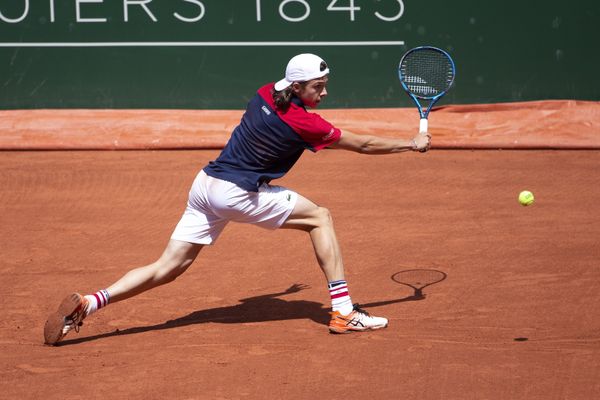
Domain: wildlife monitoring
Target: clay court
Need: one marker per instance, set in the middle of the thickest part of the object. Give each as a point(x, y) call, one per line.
point(514, 318)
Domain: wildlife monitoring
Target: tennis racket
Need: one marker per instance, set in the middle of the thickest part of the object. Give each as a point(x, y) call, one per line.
point(426, 73)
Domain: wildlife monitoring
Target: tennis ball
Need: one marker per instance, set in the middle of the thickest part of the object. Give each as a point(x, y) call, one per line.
point(526, 198)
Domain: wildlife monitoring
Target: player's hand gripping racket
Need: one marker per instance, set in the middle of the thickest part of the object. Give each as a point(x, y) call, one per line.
point(426, 73)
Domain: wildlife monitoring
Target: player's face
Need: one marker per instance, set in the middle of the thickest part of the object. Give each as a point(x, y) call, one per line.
point(312, 92)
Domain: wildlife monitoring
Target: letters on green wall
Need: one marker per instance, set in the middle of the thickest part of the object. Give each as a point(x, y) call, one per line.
point(214, 54)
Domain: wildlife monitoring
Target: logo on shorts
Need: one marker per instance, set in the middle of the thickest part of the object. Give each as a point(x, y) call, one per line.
point(288, 197)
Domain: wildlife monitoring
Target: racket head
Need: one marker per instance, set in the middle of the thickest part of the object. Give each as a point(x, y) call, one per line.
point(426, 72)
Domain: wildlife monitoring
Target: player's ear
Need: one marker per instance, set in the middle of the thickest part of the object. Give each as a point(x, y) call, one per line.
point(297, 87)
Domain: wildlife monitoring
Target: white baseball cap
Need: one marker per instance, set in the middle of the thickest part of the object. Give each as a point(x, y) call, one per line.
point(302, 68)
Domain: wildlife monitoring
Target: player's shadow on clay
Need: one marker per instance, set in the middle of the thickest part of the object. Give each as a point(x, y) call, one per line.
point(262, 308)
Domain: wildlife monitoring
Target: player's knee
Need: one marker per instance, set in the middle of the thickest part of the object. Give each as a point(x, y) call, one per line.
point(324, 216)
point(171, 270)
point(310, 218)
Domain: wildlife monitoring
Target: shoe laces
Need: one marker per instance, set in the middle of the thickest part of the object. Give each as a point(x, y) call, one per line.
point(70, 324)
point(360, 310)
point(75, 320)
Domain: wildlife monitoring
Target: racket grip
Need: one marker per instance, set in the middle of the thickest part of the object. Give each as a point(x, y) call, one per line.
point(423, 125)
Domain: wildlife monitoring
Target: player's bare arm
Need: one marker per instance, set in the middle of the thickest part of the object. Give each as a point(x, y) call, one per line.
point(368, 144)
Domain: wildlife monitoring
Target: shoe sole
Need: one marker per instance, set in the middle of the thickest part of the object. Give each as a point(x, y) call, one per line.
point(349, 330)
point(53, 329)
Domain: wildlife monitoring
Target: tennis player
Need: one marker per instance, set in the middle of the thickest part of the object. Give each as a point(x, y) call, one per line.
point(272, 135)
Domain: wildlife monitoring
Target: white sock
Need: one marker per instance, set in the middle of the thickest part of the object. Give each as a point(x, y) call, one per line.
point(340, 299)
point(97, 301)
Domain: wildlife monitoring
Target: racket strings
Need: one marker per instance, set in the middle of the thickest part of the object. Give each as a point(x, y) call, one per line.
point(427, 72)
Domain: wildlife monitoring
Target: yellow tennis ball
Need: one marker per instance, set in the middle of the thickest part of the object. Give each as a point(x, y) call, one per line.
point(526, 198)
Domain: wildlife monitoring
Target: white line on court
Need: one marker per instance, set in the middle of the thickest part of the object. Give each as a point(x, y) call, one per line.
point(199, 44)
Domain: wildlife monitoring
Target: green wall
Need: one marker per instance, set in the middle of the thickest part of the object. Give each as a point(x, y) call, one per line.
point(504, 50)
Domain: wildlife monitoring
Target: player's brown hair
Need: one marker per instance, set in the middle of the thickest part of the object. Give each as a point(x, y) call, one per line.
point(283, 98)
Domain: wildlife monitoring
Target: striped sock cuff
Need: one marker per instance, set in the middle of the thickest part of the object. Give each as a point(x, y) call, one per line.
point(102, 298)
point(106, 295)
point(340, 298)
point(333, 284)
point(96, 301)
point(338, 292)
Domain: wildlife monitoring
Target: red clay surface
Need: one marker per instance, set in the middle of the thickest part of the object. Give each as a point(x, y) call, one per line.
point(227, 329)
point(550, 124)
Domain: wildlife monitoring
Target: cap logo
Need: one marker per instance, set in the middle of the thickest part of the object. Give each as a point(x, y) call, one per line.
point(323, 66)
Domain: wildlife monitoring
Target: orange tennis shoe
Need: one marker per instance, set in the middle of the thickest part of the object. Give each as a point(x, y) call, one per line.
point(69, 315)
point(357, 321)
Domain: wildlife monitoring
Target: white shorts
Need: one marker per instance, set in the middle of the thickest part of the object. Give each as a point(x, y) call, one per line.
point(213, 202)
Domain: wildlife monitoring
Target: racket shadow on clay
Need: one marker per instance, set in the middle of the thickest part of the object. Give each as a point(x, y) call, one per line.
point(417, 280)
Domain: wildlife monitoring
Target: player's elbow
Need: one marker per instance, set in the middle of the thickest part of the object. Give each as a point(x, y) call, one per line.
point(363, 146)
point(369, 146)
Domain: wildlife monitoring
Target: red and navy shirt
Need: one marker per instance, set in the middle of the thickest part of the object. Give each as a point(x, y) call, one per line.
point(268, 142)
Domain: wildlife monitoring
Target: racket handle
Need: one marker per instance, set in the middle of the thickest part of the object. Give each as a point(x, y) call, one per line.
point(423, 125)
